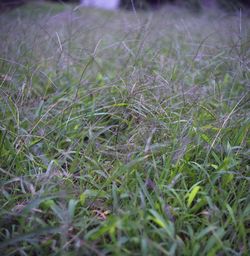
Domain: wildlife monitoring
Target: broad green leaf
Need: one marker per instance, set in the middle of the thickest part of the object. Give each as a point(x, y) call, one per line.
point(166, 225)
point(82, 199)
point(158, 219)
point(192, 195)
point(71, 207)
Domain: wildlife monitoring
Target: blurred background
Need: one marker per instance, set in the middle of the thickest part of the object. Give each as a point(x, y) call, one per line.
point(194, 5)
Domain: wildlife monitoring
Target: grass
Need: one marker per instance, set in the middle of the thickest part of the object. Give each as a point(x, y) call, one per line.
point(124, 134)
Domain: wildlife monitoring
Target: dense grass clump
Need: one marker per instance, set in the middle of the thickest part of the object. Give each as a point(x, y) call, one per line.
point(124, 133)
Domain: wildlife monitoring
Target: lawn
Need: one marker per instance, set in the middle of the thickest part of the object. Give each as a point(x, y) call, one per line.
point(124, 133)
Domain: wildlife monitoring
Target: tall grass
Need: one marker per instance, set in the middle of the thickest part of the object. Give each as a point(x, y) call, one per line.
point(124, 134)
